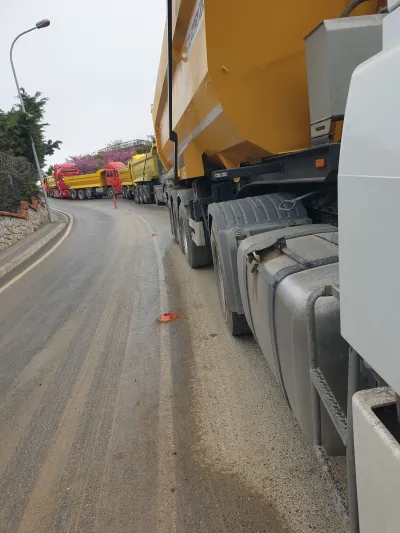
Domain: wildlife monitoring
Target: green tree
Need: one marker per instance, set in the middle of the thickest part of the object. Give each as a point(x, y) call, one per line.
point(17, 126)
point(49, 171)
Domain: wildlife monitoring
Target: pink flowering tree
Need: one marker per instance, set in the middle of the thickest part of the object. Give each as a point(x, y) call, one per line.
point(86, 163)
point(114, 152)
point(117, 155)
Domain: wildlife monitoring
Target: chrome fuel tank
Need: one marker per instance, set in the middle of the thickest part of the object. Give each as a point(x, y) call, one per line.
point(278, 272)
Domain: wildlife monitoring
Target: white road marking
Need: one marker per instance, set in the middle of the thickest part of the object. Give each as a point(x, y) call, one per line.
point(33, 265)
point(166, 506)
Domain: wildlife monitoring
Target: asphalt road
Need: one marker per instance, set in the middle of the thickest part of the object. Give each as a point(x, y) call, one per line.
point(113, 423)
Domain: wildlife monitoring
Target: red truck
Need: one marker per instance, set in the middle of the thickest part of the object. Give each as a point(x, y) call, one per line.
point(68, 182)
point(54, 185)
point(104, 182)
point(112, 178)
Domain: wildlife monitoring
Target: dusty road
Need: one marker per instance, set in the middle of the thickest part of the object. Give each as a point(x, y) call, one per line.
point(111, 423)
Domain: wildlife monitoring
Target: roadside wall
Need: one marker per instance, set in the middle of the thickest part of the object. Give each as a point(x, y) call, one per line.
point(14, 228)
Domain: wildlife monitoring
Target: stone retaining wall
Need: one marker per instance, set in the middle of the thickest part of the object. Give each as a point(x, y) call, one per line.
point(14, 228)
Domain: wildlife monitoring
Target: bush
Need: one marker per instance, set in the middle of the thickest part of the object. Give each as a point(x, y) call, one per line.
point(18, 180)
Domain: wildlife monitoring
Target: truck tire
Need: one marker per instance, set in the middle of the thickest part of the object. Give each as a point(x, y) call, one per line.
point(140, 195)
point(73, 194)
point(110, 192)
point(237, 324)
point(88, 193)
point(128, 194)
point(156, 200)
point(171, 222)
point(147, 195)
point(197, 256)
point(81, 194)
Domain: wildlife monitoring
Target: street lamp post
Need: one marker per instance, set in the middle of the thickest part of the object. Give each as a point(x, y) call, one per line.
point(38, 26)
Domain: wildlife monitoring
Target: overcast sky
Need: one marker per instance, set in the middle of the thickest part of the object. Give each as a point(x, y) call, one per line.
point(97, 62)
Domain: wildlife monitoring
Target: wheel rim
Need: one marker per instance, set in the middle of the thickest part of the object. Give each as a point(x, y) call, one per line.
point(88, 194)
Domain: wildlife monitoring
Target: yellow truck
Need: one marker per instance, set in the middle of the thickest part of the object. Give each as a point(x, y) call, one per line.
point(142, 182)
point(126, 182)
point(249, 107)
point(104, 182)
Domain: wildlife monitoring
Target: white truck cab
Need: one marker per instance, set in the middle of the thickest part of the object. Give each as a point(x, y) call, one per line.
point(369, 226)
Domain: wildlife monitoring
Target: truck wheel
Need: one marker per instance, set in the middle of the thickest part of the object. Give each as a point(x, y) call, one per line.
point(73, 194)
point(156, 200)
point(171, 222)
point(81, 194)
point(237, 324)
point(128, 194)
point(88, 193)
point(140, 195)
point(146, 196)
point(197, 256)
point(110, 192)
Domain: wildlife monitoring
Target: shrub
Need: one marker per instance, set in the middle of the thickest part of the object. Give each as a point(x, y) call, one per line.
point(18, 181)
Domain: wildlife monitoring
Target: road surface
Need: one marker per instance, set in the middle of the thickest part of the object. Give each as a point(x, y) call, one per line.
point(112, 423)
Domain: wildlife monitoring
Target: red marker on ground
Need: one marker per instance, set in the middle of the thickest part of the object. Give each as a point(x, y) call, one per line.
point(167, 317)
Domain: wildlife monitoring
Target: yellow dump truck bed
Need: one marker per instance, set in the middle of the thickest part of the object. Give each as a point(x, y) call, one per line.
point(144, 167)
point(84, 181)
point(125, 176)
point(239, 82)
point(51, 181)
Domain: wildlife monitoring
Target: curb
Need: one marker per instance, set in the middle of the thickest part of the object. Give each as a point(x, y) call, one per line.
point(9, 267)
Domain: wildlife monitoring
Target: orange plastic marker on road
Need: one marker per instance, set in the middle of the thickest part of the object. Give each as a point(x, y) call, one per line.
point(167, 317)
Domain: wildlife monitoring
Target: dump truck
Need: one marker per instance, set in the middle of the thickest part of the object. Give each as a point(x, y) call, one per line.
point(143, 177)
point(126, 182)
point(48, 183)
point(55, 185)
point(104, 182)
point(258, 115)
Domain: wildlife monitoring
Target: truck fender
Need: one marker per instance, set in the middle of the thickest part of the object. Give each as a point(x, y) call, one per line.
point(184, 196)
point(237, 219)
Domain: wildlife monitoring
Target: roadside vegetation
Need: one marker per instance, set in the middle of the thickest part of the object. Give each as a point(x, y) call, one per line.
point(18, 176)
